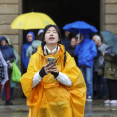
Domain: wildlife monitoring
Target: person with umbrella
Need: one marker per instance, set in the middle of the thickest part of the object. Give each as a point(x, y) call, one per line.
point(53, 89)
point(86, 52)
point(110, 70)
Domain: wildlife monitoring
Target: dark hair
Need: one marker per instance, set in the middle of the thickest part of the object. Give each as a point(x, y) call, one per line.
point(45, 30)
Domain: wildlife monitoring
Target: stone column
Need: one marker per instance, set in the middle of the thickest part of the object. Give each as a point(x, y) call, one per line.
point(109, 15)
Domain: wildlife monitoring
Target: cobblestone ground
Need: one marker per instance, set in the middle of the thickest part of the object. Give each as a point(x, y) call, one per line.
point(96, 108)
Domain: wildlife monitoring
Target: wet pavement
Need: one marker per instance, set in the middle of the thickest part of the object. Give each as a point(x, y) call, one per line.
point(19, 109)
point(96, 108)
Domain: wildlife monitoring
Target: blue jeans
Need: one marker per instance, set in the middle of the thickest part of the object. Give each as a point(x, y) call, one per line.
point(88, 76)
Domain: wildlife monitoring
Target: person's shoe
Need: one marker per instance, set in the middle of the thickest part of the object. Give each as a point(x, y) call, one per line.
point(113, 102)
point(96, 97)
point(8, 102)
point(89, 99)
point(107, 101)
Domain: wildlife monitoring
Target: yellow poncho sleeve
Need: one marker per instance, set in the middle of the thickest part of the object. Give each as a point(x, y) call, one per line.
point(26, 79)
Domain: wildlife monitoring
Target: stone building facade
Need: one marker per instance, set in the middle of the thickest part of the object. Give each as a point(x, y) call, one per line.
point(9, 9)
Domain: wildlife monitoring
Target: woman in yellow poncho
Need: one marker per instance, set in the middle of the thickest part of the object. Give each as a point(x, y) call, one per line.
point(53, 90)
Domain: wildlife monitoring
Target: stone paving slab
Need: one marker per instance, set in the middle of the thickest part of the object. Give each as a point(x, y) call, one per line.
point(96, 108)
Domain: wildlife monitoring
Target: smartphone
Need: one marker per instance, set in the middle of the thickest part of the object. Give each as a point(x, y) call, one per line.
point(51, 60)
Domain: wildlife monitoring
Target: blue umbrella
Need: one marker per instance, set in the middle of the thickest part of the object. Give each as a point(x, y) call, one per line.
point(80, 27)
point(110, 39)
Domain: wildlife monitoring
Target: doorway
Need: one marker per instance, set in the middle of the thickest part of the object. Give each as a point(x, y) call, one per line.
point(65, 11)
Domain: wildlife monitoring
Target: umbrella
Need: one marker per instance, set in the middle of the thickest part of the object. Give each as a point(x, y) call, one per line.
point(110, 39)
point(32, 20)
point(80, 27)
point(3, 70)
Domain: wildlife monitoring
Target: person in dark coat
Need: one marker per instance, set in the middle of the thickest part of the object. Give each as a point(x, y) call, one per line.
point(35, 44)
point(66, 40)
point(110, 73)
point(72, 48)
point(9, 57)
point(12, 84)
point(99, 80)
point(29, 38)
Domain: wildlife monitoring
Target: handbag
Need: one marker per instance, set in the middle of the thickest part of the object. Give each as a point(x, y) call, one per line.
point(16, 74)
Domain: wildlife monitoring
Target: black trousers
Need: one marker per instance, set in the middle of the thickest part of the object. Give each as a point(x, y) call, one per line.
point(112, 89)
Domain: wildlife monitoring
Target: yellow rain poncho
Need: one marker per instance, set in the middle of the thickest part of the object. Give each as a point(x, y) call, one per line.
point(50, 98)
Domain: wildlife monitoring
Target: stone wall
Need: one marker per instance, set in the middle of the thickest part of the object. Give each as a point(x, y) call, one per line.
point(9, 10)
point(109, 15)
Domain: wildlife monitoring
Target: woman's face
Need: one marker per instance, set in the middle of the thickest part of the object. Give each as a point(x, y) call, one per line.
point(73, 42)
point(29, 37)
point(95, 40)
point(51, 36)
point(3, 42)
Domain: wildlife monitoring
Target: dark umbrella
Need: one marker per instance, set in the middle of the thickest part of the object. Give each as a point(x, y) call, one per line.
point(3, 70)
point(110, 39)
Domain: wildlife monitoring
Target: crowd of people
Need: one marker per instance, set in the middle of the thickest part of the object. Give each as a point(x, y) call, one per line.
point(91, 54)
point(98, 64)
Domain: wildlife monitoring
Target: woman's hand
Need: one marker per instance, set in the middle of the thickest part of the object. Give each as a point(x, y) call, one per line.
point(44, 70)
point(48, 68)
point(54, 70)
